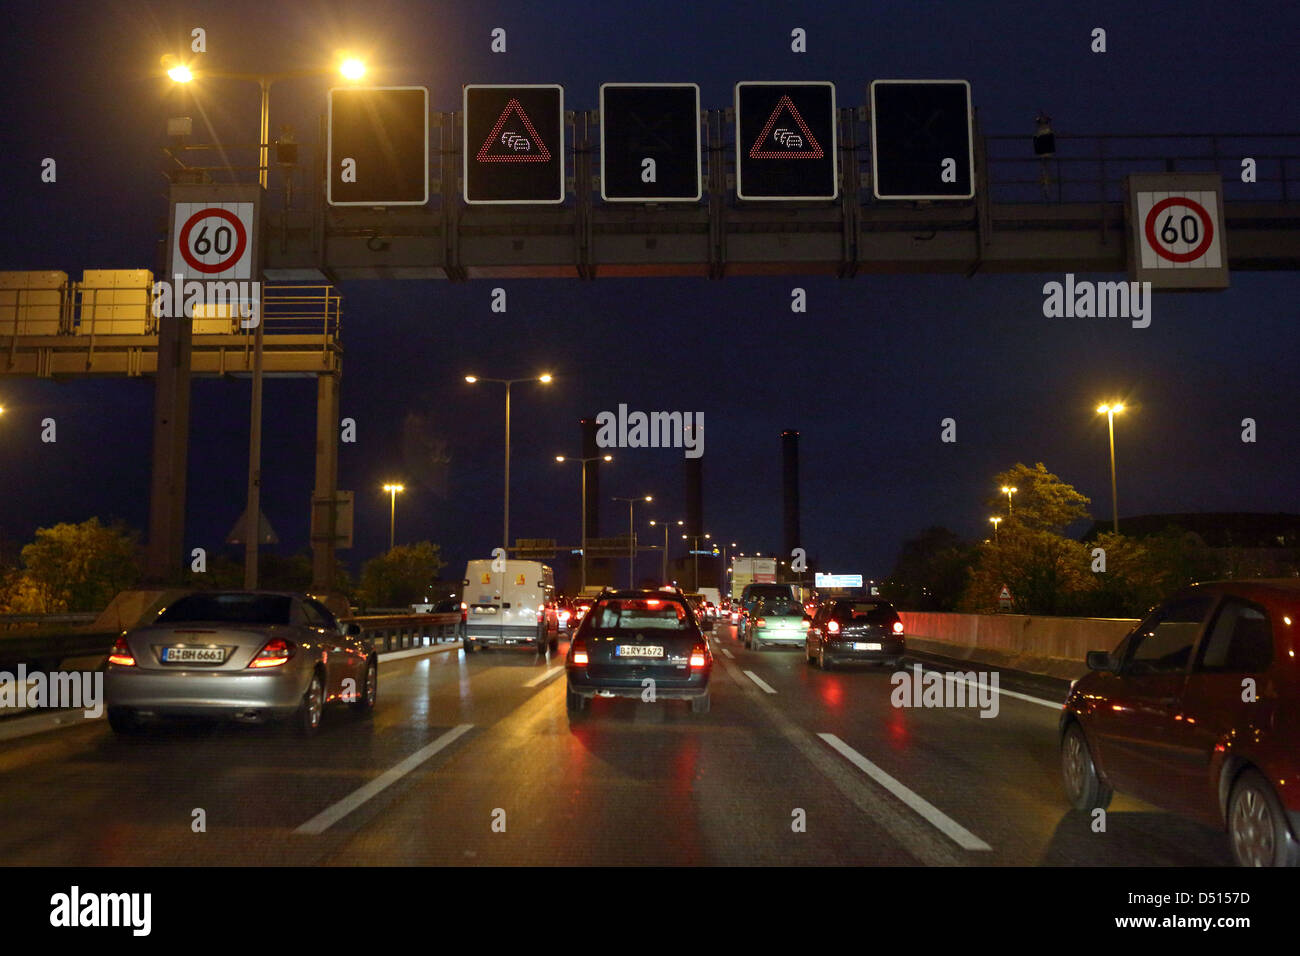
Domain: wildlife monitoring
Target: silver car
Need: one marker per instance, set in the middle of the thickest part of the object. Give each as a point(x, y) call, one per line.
point(242, 655)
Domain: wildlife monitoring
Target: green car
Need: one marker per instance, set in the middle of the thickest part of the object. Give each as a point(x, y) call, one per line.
point(776, 620)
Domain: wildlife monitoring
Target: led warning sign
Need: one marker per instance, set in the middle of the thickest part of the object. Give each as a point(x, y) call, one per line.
point(514, 144)
point(786, 141)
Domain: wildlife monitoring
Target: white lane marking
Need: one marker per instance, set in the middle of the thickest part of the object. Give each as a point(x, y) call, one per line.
point(948, 675)
point(333, 814)
point(932, 814)
point(545, 676)
point(767, 688)
point(729, 654)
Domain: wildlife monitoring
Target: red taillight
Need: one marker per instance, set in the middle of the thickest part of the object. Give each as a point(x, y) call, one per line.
point(697, 656)
point(540, 614)
point(761, 622)
point(579, 653)
point(898, 627)
point(464, 612)
point(121, 653)
point(832, 627)
point(274, 654)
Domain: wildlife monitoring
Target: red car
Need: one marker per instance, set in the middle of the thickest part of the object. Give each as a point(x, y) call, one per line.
point(1195, 711)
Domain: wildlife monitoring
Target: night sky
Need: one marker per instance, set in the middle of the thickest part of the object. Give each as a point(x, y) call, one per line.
point(866, 375)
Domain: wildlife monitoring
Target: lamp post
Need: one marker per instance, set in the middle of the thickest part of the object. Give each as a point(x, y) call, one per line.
point(1008, 492)
point(1110, 411)
point(392, 512)
point(663, 578)
point(584, 462)
point(545, 379)
point(695, 547)
point(996, 522)
point(631, 536)
point(179, 72)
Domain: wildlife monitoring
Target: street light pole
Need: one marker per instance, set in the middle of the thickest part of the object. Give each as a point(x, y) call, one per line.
point(1110, 411)
point(584, 462)
point(631, 537)
point(392, 490)
point(695, 547)
point(663, 574)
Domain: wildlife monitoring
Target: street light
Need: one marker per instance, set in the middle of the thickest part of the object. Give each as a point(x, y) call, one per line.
point(584, 461)
point(392, 515)
point(180, 72)
point(631, 536)
point(545, 379)
point(1008, 492)
point(996, 522)
point(695, 547)
point(664, 573)
point(1110, 411)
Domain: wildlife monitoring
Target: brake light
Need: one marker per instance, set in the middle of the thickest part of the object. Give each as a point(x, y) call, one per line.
point(697, 656)
point(579, 653)
point(652, 602)
point(121, 653)
point(832, 627)
point(464, 612)
point(898, 627)
point(761, 622)
point(540, 614)
point(274, 654)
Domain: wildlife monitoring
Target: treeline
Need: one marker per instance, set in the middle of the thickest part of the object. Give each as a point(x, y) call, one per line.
point(71, 568)
point(1046, 571)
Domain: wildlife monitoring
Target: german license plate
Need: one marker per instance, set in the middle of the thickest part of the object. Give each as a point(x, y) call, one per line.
point(866, 646)
point(193, 655)
point(638, 650)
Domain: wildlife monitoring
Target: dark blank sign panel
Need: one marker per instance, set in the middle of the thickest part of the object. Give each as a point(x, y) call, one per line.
point(921, 144)
point(378, 146)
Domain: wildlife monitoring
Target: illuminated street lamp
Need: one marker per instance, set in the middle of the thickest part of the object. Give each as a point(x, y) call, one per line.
point(664, 573)
point(1008, 492)
point(631, 535)
point(584, 462)
point(1110, 411)
point(545, 379)
point(392, 514)
point(996, 522)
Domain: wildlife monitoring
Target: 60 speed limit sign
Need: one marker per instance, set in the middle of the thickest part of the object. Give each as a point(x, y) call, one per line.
point(213, 240)
point(1176, 226)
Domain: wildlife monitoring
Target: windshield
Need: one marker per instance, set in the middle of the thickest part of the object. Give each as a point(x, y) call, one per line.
point(640, 614)
point(229, 608)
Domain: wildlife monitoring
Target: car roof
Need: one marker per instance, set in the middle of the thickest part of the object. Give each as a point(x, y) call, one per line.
point(643, 593)
point(1288, 586)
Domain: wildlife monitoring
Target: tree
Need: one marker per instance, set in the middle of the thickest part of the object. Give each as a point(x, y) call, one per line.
point(80, 567)
point(400, 576)
point(1045, 572)
point(931, 571)
point(1042, 501)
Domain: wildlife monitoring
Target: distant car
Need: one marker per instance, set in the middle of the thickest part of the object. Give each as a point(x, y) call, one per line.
point(242, 655)
point(579, 607)
point(776, 621)
point(1194, 711)
point(508, 603)
point(855, 629)
point(697, 604)
point(630, 636)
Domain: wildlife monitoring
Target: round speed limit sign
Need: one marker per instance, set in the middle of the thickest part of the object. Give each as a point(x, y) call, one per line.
point(212, 240)
point(1179, 229)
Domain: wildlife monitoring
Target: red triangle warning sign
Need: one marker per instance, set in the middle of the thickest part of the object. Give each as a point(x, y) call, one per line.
point(513, 142)
point(785, 141)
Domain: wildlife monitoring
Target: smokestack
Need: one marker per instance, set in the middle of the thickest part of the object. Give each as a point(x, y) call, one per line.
point(790, 490)
point(591, 450)
point(695, 496)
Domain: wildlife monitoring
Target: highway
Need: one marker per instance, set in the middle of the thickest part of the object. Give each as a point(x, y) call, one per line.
point(474, 760)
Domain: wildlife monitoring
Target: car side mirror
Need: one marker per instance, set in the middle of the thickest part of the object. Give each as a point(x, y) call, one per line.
point(1099, 661)
point(354, 630)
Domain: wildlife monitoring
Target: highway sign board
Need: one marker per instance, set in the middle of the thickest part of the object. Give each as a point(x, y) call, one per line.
point(514, 144)
point(1176, 230)
point(922, 145)
point(786, 145)
point(213, 240)
point(378, 146)
point(837, 580)
point(650, 142)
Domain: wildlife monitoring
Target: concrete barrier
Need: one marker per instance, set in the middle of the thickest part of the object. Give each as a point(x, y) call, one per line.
point(1052, 646)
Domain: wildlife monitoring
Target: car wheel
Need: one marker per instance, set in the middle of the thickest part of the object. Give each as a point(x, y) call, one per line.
point(365, 702)
point(1257, 827)
point(554, 645)
point(1084, 788)
point(807, 653)
point(468, 646)
point(701, 705)
point(308, 717)
point(574, 703)
point(123, 721)
point(823, 661)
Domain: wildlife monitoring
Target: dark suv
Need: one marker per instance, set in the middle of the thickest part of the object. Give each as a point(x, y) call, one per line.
point(1195, 711)
point(855, 629)
point(632, 642)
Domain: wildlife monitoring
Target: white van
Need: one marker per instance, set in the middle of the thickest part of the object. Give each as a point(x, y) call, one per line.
point(512, 606)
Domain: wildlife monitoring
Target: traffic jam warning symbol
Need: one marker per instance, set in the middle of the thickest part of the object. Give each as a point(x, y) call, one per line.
point(514, 144)
point(212, 240)
point(1176, 222)
point(786, 141)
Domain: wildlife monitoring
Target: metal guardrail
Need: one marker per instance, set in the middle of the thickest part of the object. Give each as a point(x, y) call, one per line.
point(395, 632)
point(13, 622)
